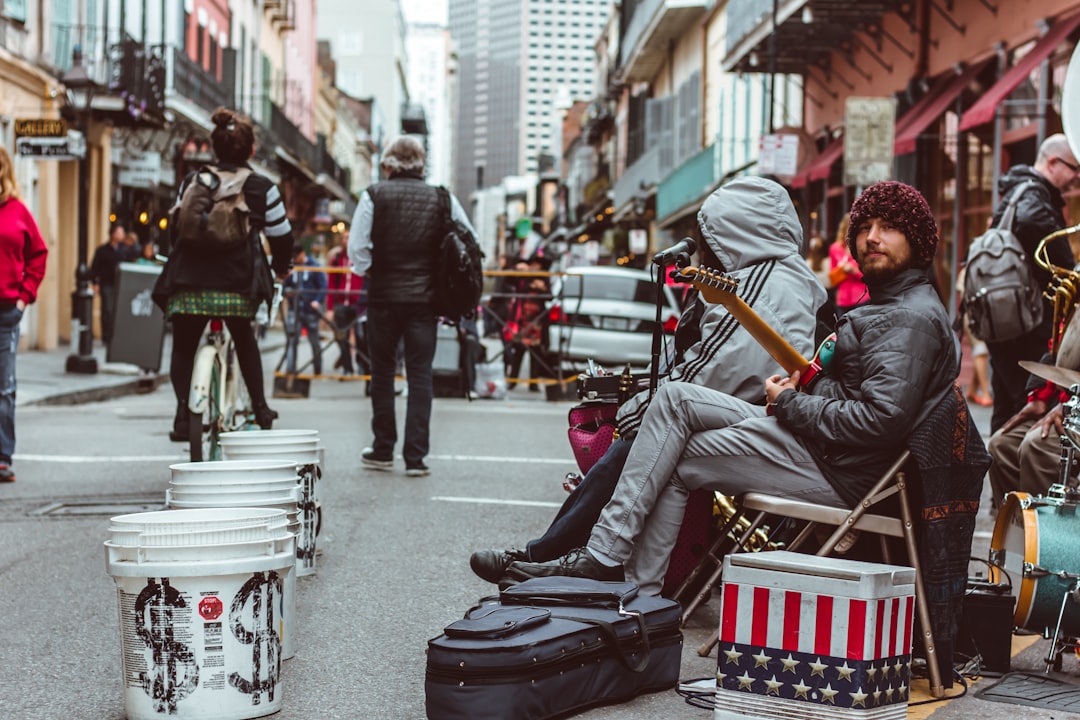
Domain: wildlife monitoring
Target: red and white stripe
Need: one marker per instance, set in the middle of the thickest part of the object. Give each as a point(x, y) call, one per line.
point(816, 624)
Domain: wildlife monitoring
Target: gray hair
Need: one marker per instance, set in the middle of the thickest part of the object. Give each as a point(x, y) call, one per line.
point(1057, 145)
point(405, 154)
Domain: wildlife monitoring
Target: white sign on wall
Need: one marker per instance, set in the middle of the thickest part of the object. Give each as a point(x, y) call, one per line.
point(778, 154)
point(869, 132)
point(139, 169)
point(638, 241)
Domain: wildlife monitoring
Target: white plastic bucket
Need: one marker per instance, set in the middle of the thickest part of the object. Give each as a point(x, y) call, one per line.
point(239, 470)
point(284, 504)
point(303, 448)
point(202, 622)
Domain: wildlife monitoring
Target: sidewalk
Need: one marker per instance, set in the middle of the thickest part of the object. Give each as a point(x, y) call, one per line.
point(41, 377)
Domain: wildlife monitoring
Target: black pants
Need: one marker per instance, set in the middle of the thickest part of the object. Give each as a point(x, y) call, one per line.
point(187, 332)
point(108, 311)
point(386, 326)
point(1008, 380)
point(579, 512)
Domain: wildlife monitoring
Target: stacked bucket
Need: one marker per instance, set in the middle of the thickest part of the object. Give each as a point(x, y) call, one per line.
point(207, 589)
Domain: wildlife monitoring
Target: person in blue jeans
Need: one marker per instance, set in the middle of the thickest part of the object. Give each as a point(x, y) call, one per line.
point(752, 232)
point(307, 292)
point(22, 266)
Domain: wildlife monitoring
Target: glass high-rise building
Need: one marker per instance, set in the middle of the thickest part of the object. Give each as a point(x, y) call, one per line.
point(518, 60)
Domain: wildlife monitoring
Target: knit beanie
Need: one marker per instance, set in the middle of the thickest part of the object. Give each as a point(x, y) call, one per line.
point(904, 207)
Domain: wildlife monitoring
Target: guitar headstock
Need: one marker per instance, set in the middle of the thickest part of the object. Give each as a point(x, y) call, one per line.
point(715, 286)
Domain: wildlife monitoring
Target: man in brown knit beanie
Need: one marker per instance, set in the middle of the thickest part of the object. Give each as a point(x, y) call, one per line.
point(896, 358)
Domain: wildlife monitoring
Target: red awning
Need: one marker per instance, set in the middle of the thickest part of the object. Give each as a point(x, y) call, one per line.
point(919, 117)
point(983, 110)
point(820, 167)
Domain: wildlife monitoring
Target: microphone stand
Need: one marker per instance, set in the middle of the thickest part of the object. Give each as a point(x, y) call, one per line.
point(681, 260)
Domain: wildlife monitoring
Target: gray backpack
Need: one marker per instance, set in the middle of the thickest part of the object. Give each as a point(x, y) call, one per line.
point(1002, 299)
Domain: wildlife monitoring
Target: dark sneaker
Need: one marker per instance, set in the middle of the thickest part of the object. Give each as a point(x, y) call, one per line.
point(376, 462)
point(179, 434)
point(576, 563)
point(420, 470)
point(6, 474)
point(491, 565)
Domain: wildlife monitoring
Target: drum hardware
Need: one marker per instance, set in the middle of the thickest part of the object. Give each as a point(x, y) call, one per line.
point(1056, 647)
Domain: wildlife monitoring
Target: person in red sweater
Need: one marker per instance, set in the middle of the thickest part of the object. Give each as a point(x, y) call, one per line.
point(22, 266)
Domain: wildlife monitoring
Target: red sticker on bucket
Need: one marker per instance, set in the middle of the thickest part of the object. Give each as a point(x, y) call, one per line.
point(210, 608)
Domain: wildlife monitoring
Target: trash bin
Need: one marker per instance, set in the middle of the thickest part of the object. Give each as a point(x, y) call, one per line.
point(139, 325)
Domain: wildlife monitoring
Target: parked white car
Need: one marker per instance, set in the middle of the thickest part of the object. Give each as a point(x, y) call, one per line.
point(607, 314)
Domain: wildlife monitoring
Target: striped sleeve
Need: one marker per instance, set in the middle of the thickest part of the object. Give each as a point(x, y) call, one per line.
point(277, 222)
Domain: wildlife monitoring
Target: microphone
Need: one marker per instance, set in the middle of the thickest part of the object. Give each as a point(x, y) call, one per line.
point(668, 256)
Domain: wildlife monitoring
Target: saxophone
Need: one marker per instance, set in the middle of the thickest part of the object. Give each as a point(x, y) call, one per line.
point(724, 506)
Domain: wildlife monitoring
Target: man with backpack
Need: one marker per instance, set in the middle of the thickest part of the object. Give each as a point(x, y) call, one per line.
point(396, 244)
point(1037, 191)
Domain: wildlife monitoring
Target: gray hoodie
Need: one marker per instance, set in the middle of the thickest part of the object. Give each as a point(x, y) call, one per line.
point(752, 228)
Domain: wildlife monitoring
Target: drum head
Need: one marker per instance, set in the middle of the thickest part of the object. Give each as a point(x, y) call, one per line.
point(1016, 540)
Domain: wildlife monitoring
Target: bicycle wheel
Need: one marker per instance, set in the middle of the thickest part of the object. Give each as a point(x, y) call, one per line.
point(204, 429)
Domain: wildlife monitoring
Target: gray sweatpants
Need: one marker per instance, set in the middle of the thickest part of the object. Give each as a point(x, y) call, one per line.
point(693, 437)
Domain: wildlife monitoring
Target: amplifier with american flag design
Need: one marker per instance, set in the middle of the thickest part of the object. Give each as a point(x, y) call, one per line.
point(803, 636)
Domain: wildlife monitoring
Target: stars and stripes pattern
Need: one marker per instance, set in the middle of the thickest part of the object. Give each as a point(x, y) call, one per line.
point(829, 650)
point(854, 628)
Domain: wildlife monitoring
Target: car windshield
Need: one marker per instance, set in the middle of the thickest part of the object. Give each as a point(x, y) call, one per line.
point(608, 287)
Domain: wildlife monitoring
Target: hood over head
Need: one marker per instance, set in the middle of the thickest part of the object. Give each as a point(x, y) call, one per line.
point(750, 220)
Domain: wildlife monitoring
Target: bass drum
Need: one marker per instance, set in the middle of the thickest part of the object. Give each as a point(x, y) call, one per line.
point(1032, 536)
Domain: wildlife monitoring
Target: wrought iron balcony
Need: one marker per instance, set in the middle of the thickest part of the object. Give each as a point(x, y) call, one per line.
point(191, 81)
point(289, 137)
point(652, 27)
point(130, 76)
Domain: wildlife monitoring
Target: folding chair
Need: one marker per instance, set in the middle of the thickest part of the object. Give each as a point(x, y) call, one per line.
point(893, 482)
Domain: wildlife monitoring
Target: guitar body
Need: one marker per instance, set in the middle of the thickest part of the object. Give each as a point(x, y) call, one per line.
point(819, 364)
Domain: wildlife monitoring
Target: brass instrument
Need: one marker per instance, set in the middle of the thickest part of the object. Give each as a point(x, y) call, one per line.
point(724, 506)
point(1064, 287)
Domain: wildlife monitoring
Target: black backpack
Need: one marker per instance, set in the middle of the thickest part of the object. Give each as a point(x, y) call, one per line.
point(212, 212)
point(1002, 299)
point(459, 275)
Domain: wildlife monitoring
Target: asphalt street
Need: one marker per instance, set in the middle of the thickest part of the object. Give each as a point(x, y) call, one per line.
point(393, 568)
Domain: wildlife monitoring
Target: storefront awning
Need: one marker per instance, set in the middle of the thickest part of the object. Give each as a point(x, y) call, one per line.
point(820, 167)
point(983, 110)
point(931, 106)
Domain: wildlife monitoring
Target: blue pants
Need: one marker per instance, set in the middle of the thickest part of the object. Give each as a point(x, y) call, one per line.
point(386, 326)
point(9, 342)
point(302, 318)
point(574, 522)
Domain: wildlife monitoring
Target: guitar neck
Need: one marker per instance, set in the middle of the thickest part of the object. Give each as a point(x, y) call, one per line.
point(780, 349)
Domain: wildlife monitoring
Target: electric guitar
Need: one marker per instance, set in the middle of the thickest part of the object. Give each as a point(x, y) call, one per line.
point(720, 288)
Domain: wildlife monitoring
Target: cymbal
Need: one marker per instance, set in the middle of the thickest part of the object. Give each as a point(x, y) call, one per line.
point(1060, 376)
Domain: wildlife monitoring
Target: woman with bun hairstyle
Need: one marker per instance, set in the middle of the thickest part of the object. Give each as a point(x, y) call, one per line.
point(203, 281)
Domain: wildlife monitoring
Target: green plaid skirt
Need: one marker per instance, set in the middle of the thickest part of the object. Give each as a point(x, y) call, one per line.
point(212, 303)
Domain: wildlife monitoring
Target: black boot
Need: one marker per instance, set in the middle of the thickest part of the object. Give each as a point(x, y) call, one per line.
point(264, 416)
point(179, 432)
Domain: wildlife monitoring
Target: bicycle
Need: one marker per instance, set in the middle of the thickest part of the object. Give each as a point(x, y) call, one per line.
point(218, 401)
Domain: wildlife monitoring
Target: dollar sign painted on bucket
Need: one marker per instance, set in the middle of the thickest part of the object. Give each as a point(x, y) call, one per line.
point(172, 674)
point(252, 621)
point(308, 509)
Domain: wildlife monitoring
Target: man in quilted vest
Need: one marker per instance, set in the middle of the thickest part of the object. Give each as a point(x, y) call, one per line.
point(395, 232)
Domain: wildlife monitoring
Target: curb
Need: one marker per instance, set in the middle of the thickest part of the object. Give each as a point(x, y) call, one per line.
point(139, 385)
point(145, 384)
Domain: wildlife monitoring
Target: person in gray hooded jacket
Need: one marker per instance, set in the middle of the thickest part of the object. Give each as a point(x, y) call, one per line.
point(896, 358)
point(751, 228)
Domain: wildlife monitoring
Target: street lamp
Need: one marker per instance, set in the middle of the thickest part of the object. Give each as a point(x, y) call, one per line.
point(80, 93)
